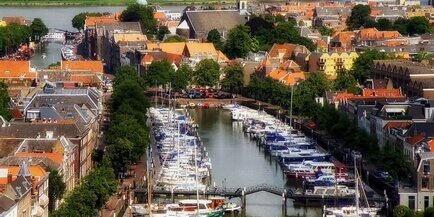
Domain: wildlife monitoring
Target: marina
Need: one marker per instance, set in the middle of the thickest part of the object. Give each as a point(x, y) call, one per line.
point(314, 178)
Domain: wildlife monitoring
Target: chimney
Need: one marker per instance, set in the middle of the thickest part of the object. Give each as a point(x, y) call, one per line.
point(9, 180)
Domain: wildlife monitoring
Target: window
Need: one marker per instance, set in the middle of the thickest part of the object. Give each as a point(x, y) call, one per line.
point(426, 201)
point(425, 183)
point(411, 202)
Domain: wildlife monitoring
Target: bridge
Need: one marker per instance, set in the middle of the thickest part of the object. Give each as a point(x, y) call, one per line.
point(298, 196)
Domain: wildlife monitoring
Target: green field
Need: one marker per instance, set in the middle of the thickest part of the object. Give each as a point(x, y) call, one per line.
point(105, 2)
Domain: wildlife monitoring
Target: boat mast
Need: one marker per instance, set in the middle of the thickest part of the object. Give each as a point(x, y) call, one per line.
point(195, 166)
point(357, 186)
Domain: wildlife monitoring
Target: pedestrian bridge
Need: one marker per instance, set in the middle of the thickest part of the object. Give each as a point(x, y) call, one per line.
point(285, 193)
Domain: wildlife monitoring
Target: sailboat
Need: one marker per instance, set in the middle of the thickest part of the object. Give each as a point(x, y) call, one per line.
point(353, 211)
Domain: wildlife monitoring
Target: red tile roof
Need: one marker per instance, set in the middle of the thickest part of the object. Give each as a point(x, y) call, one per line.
point(400, 124)
point(374, 34)
point(94, 66)
point(415, 139)
point(285, 50)
point(16, 69)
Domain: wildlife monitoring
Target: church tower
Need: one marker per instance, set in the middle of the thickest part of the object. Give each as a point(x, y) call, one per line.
point(242, 6)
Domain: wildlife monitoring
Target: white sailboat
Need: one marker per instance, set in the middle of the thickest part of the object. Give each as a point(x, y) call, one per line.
point(353, 211)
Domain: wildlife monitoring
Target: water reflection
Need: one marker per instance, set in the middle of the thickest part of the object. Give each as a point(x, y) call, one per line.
point(239, 162)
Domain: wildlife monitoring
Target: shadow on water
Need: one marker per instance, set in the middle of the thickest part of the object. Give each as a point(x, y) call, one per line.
point(239, 162)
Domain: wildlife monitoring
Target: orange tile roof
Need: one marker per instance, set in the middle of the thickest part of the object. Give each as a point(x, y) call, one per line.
point(431, 145)
point(293, 78)
point(16, 69)
point(129, 37)
point(195, 49)
point(158, 15)
point(94, 66)
point(344, 37)
point(221, 57)
point(375, 12)
point(381, 92)
point(373, 33)
point(55, 157)
point(92, 21)
point(35, 170)
point(174, 48)
point(400, 124)
point(415, 139)
point(285, 50)
point(278, 74)
point(84, 79)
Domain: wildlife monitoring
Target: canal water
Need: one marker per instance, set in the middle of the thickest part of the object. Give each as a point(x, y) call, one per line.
point(239, 162)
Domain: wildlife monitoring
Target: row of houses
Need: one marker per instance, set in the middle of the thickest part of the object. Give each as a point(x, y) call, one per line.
point(55, 125)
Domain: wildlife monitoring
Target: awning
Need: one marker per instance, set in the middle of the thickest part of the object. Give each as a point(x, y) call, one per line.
point(43, 200)
point(395, 110)
point(37, 211)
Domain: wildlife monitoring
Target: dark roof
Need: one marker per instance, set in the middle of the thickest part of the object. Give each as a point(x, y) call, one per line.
point(7, 146)
point(416, 111)
point(6, 203)
point(222, 20)
point(426, 129)
point(20, 187)
point(33, 130)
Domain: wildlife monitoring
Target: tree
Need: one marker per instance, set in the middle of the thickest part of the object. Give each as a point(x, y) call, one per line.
point(175, 38)
point(207, 73)
point(102, 183)
point(287, 33)
point(325, 31)
point(420, 56)
point(127, 73)
point(120, 154)
point(428, 212)
point(142, 13)
point(38, 29)
point(401, 25)
point(234, 76)
point(239, 42)
point(402, 211)
point(384, 24)
point(56, 188)
point(79, 19)
point(257, 23)
point(346, 81)
point(359, 16)
point(419, 25)
point(215, 38)
point(362, 65)
point(162, 31)
point(181, 77)
point(129, 91)
point(4, 102)
point(306, 91)
point(159, 73)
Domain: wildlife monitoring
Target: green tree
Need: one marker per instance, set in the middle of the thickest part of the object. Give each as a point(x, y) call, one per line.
point(56, 188)
point(238, 43)
point(80, 202)
point(362, 65)
point(129, 91)
point(4, 101)
point(257, 23)
point(38, 29)
point(419, 25)
point(162, 31)
point(346, 81)
point(402, 211)
point(325, 31)
point(306, 91)
point(127, 73)
point(233, 80)
point(215, 38)
point(142, 13)
point(287, 33)
point(175, 38)
point(428, 212)
point(420, 56)
point(384, 24)
point(79, 19)
point(207, 73)
point(102, 183)
point(359, 16)
point(401, 25)
point(159, 73)
point(181, 78)
point(120, 154)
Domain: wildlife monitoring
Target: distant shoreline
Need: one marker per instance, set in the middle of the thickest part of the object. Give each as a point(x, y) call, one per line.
point(95, 4)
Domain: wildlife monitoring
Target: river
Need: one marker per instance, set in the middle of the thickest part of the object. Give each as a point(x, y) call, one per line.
point(239, 162)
